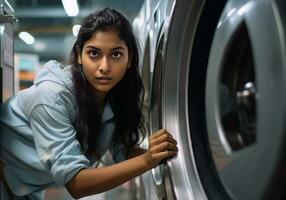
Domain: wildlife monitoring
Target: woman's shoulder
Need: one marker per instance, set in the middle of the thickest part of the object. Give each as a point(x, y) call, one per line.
point(51, 92)
point(52, 87)
point(47, 94)
point(55, 72)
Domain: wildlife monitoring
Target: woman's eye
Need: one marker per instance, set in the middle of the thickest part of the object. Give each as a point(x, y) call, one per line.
point(116, 55)
point(93, 54)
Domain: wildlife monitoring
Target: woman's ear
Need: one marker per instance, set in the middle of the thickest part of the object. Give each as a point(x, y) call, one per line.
point(79, 59)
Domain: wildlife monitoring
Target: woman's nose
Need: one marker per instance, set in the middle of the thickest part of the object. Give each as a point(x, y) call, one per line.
point(104, 66)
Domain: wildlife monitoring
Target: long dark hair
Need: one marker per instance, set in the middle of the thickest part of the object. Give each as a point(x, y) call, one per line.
point(125, 98)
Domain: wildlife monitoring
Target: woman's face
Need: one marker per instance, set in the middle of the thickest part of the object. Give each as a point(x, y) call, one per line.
point(104, 59)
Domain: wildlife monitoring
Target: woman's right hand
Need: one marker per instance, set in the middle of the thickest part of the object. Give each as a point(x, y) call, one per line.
point(162, 146)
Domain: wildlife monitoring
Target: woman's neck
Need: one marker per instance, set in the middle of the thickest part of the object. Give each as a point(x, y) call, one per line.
point(100, 101)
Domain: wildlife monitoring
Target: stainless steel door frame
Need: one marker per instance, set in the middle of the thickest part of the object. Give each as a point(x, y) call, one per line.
point(188, 19)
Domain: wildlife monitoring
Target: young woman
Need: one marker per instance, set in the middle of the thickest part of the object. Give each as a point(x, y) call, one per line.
point(55, 131)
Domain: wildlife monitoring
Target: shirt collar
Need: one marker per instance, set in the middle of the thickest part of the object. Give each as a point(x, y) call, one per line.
point(107, 113)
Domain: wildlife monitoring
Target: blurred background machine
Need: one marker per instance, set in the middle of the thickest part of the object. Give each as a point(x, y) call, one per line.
point(7, 72)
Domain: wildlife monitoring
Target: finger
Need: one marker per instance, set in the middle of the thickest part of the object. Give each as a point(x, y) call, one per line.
point(159, 133)
point(166, 137)
point(165, 154)
point(161, 139)
point(164, 161)
point(165, 146)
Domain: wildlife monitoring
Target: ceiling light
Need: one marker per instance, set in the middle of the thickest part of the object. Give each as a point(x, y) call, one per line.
point(75, 29)
point(71, 7)
point(27, 37)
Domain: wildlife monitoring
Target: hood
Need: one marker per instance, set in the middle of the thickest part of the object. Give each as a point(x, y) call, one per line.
point(55, 72)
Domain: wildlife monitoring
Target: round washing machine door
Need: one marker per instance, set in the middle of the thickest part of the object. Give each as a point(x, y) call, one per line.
point(245, 99)
point(223, 99)
point(191, 31)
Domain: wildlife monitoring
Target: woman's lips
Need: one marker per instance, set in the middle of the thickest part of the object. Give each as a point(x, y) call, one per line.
point(104, 80)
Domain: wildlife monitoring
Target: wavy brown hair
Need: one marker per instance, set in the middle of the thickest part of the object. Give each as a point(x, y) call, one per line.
point(125, 98)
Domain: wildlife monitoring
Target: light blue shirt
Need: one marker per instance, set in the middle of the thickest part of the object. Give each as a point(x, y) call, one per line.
point(38, 141)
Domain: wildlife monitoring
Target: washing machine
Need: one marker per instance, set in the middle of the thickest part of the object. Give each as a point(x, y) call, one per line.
point(151, 26)
point(7, 72)
point(214, 74)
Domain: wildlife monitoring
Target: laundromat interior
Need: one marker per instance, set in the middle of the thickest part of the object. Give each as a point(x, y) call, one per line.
point(214, 75)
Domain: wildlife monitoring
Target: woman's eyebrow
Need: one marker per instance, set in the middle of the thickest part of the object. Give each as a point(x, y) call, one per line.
point(118, 48)
point(92, 47)
point(113, 49)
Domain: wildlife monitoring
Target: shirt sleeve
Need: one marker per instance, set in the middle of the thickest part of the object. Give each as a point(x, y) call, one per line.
point(56, 143)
